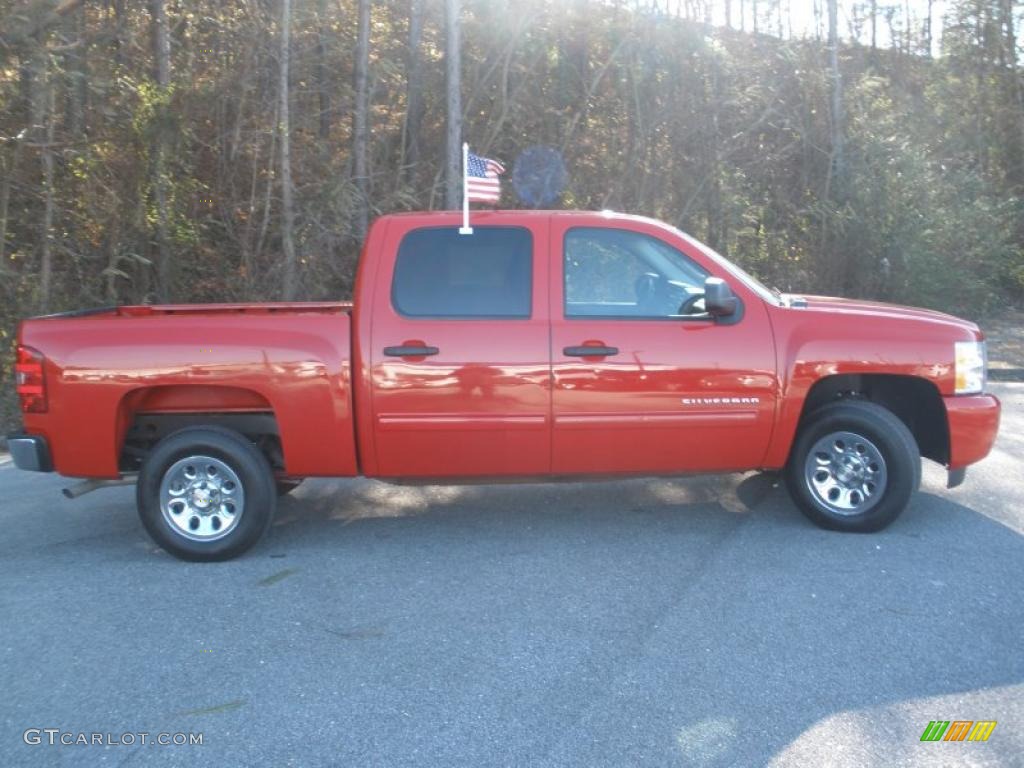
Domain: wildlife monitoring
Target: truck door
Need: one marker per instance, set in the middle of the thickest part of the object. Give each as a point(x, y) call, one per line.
point(644, 381)
point(460, 357)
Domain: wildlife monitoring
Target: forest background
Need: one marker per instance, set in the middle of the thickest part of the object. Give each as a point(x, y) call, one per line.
point(204, 150)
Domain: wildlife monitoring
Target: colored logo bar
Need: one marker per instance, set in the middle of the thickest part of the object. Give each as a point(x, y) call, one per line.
point(958, 730)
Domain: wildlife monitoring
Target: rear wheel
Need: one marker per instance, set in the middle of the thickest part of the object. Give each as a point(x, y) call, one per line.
point(206, 493)
point(854, 467)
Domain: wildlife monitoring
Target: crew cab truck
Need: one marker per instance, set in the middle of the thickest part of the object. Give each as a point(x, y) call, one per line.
point(544, 345)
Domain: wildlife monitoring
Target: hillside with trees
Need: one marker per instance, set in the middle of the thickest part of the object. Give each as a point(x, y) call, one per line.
point(201, 150)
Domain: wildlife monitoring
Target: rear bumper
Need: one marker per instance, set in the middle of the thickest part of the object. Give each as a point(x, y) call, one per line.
point(973, 425)
point(30, 452)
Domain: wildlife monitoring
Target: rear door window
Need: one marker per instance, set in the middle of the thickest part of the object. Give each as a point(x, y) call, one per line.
point(440, 273)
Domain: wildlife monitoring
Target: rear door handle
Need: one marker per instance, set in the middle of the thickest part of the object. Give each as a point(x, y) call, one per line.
point(410, 351)
point(590, 351)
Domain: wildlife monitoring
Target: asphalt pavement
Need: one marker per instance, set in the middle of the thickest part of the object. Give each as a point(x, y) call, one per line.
point(691, 622)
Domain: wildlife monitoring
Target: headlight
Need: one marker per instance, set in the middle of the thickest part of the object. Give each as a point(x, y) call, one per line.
point(971, 365)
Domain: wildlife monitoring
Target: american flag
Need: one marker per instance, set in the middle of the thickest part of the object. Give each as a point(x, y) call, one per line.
point(482, 184)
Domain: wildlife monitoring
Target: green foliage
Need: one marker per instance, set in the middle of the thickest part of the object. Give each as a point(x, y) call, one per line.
point(914, 228)
point(154, 113)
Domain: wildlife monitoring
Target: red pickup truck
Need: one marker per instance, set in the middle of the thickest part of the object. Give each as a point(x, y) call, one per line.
point(544, 345)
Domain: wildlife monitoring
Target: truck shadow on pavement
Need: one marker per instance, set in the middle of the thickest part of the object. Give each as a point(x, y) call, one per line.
point(678, 618)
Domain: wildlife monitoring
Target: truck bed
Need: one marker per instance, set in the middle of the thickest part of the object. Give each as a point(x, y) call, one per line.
point(107, 368)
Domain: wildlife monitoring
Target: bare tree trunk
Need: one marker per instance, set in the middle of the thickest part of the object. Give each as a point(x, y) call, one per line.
point(5, 196)
point(414, 87)
point(161, 44)
point(75, 66)
point(46, 234)
point(162, 66)
point(838, 159)
point(360, 116)
point(261, 238)
point(453, 148)
point(874, 24)
point(838, 266)
point(119, 46)
point(907, 27)
point(982, 87)
point(928, 29)
point(290, 282)
point(753, 12)
point(629, 169)
point(1010, 42)
point(582, 55)
point(713, 198)
point(1014, 112)
point(321, 72)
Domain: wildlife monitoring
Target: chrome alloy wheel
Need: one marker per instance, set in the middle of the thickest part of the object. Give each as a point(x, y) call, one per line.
point(845, 472)
point(201, 498)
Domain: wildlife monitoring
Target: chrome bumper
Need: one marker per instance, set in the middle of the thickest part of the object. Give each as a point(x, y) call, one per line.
point(30, 452)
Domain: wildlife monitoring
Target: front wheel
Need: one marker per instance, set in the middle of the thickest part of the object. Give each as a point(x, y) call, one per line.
point(206, 493)
point(854, 467)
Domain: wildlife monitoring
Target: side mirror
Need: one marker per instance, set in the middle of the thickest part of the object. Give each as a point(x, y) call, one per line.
point(719, 300)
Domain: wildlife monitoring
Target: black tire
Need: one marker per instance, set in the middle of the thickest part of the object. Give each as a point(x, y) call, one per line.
point(240, 460)
point(284, 487)
point(881, 433)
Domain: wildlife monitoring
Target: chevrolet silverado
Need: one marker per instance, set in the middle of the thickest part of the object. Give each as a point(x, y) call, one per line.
point(543, 346)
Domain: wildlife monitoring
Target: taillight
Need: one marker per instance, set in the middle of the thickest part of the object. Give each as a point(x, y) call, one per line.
point(30, 383)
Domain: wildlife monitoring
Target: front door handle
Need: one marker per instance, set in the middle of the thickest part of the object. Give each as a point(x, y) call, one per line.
point(586, 351)
point(410, 351)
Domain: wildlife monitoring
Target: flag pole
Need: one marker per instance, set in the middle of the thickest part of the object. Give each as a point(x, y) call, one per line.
point(465, 229)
